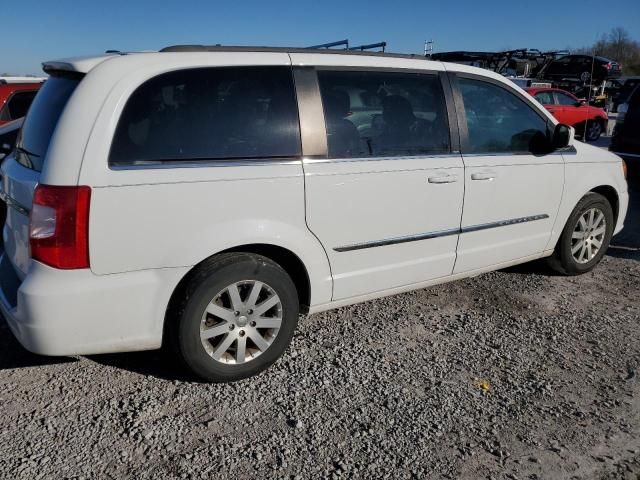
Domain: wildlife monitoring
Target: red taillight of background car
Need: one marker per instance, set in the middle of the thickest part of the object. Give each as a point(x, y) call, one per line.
point(609, 66)
point(59, 226)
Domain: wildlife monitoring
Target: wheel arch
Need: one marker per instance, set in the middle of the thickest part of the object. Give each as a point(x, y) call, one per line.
point(611, 194)
point(284, 257)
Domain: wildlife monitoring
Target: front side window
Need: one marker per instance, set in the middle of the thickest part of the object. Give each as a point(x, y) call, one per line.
point(208, 114)
point(381, 114)
point(498, 121)
point(564, 99)
point(545, 98)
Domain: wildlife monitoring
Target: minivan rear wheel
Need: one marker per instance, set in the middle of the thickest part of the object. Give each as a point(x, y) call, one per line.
point(585, 237)
point(237, 315)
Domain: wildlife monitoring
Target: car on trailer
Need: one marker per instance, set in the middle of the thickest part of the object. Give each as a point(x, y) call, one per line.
point(581, 68)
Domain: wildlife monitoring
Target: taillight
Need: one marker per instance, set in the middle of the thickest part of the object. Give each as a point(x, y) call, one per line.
point(59, 226)
point(609, 66)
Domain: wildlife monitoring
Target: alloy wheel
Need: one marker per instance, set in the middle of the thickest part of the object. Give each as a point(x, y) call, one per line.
point(594, 129)
point(241, 322)
point(588, 235)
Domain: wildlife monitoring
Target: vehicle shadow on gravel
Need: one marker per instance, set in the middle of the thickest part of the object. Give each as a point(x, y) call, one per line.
point(15, 355)
point(156, 363)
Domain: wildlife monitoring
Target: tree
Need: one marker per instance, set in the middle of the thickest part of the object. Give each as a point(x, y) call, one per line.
point(619, 46)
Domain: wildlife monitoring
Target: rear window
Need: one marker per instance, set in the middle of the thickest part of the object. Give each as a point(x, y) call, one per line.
point(42, 119)
point(209, 114)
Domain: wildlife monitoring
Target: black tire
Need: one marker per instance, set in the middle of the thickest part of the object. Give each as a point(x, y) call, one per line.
point(212, 277)
point(585, 77)
point(562, 260)
point(593, 130)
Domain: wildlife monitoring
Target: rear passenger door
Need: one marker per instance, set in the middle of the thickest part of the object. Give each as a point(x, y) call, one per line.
point(384, 188)
point(512, 193)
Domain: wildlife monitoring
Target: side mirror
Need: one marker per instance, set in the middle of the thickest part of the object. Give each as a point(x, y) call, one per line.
point(581, 102)
point(562, 136)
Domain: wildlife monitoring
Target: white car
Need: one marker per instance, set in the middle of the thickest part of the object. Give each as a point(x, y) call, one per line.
point(203, 197)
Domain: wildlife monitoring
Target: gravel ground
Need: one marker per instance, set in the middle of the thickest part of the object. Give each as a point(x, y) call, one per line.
point(516, 374)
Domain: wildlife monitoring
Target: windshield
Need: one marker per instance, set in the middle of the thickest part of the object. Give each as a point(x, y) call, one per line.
point(42, 119)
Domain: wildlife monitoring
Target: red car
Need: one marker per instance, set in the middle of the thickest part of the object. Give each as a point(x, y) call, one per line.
point(569, 110)
point(15, 99)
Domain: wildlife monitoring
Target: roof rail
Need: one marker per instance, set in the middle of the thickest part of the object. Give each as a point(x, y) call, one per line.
point(362, 48)
point(344, 42)
point(328, 51)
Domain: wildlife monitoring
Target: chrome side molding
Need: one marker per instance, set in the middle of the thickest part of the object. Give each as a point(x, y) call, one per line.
point(395, 240)
point(440, 233)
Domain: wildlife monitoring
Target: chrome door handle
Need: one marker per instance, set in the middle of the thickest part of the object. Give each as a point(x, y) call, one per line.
point(444, 179)
point(483, 176)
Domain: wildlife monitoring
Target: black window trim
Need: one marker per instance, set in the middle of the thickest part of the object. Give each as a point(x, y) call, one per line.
point(201, 162)
point(462, 119)
point(320, 125)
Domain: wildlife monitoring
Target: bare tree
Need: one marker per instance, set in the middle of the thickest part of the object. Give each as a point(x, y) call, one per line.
point(619, 46)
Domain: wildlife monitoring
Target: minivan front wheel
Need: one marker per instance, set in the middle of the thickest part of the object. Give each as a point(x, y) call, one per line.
point(237, 316)
point(585, 237)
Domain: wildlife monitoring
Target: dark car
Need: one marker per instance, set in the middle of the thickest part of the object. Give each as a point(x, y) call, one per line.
point(625, 87)
point(626, 134)
point(580, 68)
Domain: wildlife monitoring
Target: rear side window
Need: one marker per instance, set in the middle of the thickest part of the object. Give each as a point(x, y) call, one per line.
point(42, 119)
point(208, 114)
point(380, 114)
point(564, 99)
point(19, 104)
point(545, 98)
point(498, 121)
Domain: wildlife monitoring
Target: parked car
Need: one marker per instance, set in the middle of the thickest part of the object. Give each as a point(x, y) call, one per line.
point(202, 197)
point(15, 99)
point(626, 85)
point(580, 68)
point(626, 133)
point(588, 121)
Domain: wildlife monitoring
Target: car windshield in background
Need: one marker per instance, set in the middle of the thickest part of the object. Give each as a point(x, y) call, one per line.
point(42, 119)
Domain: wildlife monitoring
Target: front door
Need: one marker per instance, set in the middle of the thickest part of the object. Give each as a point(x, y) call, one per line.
point(512, 195)
point(386, 201)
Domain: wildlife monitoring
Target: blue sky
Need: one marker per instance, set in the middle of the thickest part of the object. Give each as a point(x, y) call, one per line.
point(34, 31)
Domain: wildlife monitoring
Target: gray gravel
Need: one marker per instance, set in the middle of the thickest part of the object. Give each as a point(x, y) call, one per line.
point(516, 374)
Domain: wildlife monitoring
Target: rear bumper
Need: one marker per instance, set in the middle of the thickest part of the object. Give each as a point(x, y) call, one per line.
point(75, 312)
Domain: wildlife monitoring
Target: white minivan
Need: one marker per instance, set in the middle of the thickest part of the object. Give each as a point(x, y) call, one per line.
point(204, 197)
